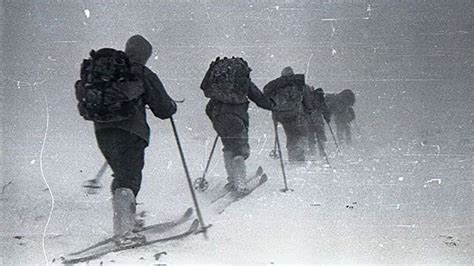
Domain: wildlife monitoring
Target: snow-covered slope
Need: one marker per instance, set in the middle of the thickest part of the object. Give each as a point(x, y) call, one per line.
point(403, 194)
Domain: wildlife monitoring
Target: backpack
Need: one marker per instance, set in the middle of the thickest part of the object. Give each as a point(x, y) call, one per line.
point(111, 92)
point(288, 98)
point(229, 80)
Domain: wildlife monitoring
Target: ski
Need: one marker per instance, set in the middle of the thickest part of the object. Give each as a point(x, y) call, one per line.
point(233, 196)
point(155, 228)
point(191, 230)
point(224, 191)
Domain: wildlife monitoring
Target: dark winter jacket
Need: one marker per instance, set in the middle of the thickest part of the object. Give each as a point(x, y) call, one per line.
point(215, 107)
point(139, 50)
point(318, 105)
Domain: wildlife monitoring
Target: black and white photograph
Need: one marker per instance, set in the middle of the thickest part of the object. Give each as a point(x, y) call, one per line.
point(243, 132)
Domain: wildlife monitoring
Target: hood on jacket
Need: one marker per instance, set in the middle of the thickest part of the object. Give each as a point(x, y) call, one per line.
point(347, 97)
point(319, 91)
point(138, 49)
point(287, 71)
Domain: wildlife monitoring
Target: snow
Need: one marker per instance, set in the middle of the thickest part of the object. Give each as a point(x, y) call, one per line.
point(402, 194)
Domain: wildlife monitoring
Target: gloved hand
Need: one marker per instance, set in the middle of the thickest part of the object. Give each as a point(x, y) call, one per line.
point(274, 105)
point(173, 109)
point(175, 106)
point(327, 118)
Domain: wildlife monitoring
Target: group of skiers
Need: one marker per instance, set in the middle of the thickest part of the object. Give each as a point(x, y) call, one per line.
point(115, 88)
point(303, 111)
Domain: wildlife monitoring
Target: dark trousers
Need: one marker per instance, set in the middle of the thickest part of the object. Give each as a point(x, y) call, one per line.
point(343, 132)
point(233, 133)
point(295, 140)
point(125, 153)
point(316, 135)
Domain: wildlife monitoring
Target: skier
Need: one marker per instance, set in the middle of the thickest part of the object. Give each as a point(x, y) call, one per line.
point(318, 114)
point(292, 97)
point(340, 105)
point(228, 85)
point(123, 136)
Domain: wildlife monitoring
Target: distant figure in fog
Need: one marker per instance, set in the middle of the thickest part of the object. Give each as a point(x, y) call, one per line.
point(340, 105)
point(318, 114)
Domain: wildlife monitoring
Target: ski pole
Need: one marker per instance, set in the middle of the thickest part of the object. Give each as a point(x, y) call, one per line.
point(93, 184)
point(190, 184)
point(323, 152)
point(101, 172)
point(273, 153)
point(320, 145)
point(201, 183)
point(333, 137)
point(277, 140)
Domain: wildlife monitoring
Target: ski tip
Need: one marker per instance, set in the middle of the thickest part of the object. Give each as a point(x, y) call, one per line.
point(259, 170)
point(91, 183)
point(194, 226)
point(91, 186)
point(189, 211)
point(263, 179)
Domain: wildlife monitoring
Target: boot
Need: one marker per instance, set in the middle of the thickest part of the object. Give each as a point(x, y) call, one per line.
point(124, 207)
point(228, 167)
point(240, 174)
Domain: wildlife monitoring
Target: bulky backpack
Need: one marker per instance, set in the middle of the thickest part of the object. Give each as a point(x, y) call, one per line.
point(112, 92)
point(288, 98)
point(229, 80)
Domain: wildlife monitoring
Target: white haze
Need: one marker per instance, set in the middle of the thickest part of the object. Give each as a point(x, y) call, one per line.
point(402, 195)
